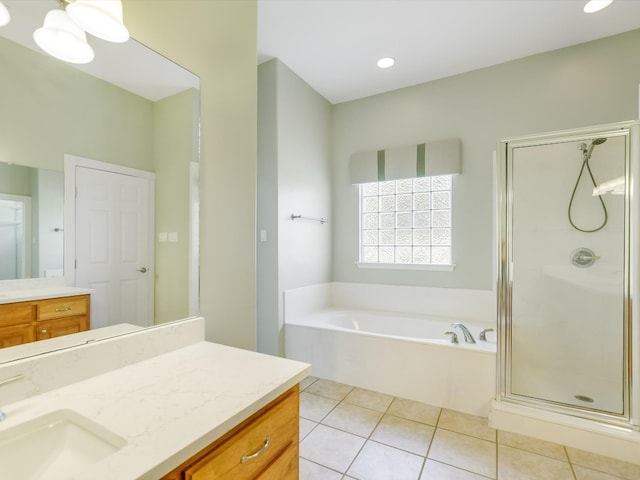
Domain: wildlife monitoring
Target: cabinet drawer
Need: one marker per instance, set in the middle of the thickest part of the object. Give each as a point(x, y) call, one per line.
point(16, 313)
point(285, 467)
point(263, 441)
point(62, 307)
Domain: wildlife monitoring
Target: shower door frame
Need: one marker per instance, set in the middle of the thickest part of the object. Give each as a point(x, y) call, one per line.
point(630, 418)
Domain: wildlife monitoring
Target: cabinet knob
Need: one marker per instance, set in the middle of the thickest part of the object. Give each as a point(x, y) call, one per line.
point(43, 331)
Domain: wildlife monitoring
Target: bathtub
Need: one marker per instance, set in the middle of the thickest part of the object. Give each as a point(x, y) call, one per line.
point(398, 354)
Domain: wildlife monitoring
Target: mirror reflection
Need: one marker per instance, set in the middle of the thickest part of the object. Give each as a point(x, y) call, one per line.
point(130, 109)
point(31, 222)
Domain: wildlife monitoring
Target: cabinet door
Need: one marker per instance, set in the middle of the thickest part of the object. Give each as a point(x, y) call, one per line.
point(60, 327)
point(16, 335)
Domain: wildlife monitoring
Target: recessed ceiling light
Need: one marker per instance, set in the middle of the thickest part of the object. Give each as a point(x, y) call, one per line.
point(593, 6)
point(386, 62)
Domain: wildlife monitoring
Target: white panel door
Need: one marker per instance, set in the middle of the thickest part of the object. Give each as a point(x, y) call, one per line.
point(113, 251)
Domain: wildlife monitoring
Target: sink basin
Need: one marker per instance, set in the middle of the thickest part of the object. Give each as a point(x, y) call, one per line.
point(55, 446)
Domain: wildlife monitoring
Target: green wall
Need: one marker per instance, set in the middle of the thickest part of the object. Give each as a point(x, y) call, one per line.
point(50, 108)
point(216, 39)
point(294, 177)
point(173, 151)
point(16, 179)
point(588, 84)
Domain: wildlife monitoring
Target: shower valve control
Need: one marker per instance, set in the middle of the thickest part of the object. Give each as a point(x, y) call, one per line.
point(583, 257)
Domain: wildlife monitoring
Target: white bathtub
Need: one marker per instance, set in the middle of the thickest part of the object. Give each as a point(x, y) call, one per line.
point(398, 354)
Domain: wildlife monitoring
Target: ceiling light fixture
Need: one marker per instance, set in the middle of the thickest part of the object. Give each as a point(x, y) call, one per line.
point(593, 6)
point(63, 39)
point(5, 18)
point(386, 62)
point(100, 18)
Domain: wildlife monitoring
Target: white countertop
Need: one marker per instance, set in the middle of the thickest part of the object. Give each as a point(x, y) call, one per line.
point(57, 343)
point(168, 407)
point(28, 294)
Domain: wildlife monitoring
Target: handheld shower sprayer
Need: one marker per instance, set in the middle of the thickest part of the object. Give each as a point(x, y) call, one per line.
point(587, 151)
point(586, 156)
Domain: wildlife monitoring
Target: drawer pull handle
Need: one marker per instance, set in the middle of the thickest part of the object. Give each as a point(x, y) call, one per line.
point(246, 458)
point(63, 309)
point(44, 331)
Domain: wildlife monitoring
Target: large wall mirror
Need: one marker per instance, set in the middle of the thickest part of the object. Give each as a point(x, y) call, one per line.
point(131, 108)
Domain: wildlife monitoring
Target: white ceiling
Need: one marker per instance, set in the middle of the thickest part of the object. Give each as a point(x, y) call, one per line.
point(130, 65)
point(334, 44)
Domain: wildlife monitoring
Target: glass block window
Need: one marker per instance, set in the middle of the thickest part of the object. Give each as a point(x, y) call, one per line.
point(406, 221)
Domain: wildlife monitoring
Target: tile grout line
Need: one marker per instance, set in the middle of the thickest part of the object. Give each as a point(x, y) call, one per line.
point(426, 455)
point(368, 438)
point(437, 426)
point(573, 472)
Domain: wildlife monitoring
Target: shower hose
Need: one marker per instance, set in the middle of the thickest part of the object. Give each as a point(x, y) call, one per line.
point(573, 194)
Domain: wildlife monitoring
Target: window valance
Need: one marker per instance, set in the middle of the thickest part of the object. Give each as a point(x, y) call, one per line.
point(442, 157)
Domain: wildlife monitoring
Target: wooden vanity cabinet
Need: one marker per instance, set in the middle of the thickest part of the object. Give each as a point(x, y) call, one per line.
point(263, 447)
point(24, 322)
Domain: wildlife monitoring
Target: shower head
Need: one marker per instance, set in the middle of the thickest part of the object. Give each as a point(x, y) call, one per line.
point(586, 151)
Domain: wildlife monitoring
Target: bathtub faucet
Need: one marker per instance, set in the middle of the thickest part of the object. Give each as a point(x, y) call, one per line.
point(465, 331)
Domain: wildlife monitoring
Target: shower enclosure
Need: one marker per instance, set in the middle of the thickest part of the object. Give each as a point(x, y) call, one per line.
point(567, 277)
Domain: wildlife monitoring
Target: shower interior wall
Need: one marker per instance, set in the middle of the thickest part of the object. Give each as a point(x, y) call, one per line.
point(567, 321)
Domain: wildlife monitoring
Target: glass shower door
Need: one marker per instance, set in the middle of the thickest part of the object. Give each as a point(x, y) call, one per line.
point(565, 294)
point(14, 225)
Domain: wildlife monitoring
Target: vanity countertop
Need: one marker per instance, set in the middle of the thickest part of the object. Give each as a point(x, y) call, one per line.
point(58, 343)
point(168, 407)
point(28, 294)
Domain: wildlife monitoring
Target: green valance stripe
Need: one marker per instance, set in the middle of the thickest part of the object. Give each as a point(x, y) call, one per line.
point(420, 165)
point(381, 177)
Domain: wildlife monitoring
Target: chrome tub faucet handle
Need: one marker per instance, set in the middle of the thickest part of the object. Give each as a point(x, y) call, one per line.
point(483, 334)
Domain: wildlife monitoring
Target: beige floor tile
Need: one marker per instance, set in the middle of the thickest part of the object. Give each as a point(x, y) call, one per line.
point(628, 471)
point(515, 464)
point(467, 424)
point(331, 448)
point(533, 445)
point(353, 419)
point(584, 473)
point(307, 381)
point(439, 471)
point(381, 462)
point(305, 427)
point(329, 389)
point(416, 411)
point(465, 452)
point(314, 407)
point(369, 399)
point(313, 471)
point(405, 434)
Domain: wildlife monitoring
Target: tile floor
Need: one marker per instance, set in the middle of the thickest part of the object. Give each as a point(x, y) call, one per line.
point(350, 433)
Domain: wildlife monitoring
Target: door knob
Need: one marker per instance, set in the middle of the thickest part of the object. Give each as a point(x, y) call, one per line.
point(143, 270)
